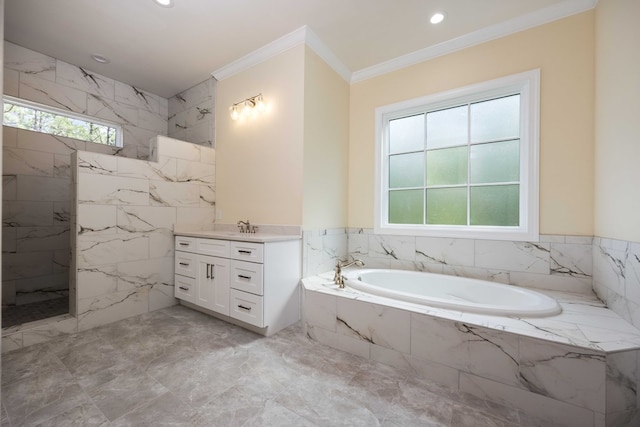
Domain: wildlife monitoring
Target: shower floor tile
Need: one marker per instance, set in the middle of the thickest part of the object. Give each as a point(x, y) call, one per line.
point(182, 368)
point(19, 314)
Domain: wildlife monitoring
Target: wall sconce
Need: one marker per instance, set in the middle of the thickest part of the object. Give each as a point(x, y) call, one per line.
point(245, 108)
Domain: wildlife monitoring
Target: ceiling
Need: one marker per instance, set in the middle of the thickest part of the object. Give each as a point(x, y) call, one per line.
point(167, 50)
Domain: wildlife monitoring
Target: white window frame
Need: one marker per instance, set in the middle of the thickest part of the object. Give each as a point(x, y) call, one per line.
point(527, 84)
point(77, 116)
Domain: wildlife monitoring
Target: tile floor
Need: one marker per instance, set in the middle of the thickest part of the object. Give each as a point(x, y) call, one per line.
point(19, 314)
point(179, 367)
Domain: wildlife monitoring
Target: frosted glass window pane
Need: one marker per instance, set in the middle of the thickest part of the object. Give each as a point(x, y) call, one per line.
point(406, 170)
point(446, 128)
point(495, 205)
point(447, 206)
point(406, 207)
point(495, 162)
point(447, 166)
point(406, 134)
point(496, 119)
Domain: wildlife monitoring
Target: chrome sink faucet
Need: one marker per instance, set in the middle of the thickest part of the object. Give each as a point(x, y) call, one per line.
point(338, 278)
point(246, 227)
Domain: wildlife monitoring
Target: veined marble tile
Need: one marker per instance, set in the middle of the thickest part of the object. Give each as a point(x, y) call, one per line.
point(161, 295)
point(16, 161)
point(9, 187)
point(99, 280)
point(27, 213)
point(62, 213)
point(9, 292)
point(513, 256)
point(632, 273)
point(466, 347)
point(145, 218)
point(144, 273)
point(208, 155)
point(609, 262)
point(552, 282)
point(458, 252)
point(207, 196)
point(24, 265)
point(50, 93)
point(161, 243)
point(138, 137)
point(477, 273)
point(384, 326)
point(164, 170)
point(174, 194)
point(110, 249)
point(29, 62)
point(320, 310)
point(110, 308)
point(200, 218)
point(548, 409)
point(96, 163)
point(96, 219)
point(34, 239)
point(191, 97)
point(84, 80)
point(62, 166)
point(37, 141)
point(571, 260)
point(138, 98)
point(108, 109)
point(62, 260)
point(563, 373)
point(113, 190)
point(11, 82)
point(622, 381)
point(42, 188)
point(392, 247)
point(201, 113)
point(152, 121)
point(196, 172)
point(201, 133)
point(9, 136)
point(9, 239)
point(179, 149)
point(579, 240)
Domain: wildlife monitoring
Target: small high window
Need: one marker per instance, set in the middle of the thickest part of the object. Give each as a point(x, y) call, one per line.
point(29, 115)
point(462, 163)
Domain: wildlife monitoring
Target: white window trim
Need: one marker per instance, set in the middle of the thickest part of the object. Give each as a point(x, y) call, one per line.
point(71, 114)
point(527, 84)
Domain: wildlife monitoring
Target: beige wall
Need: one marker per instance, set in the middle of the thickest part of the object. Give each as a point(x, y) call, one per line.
point(617, 135)
point(564, 51)
point(326, 144)
point(259, 160)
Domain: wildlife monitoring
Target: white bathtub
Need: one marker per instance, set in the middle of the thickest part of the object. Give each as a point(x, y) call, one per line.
point(452, 292)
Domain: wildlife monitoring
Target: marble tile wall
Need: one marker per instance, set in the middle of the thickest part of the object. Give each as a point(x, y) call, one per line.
point(36, 210)
point(50, 81)
point(616, 276)
point(192, 114)
point(556, 262)
point(124, 218)
point(123, 213)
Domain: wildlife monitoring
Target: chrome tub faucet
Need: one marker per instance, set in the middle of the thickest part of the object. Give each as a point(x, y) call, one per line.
point(338, 278)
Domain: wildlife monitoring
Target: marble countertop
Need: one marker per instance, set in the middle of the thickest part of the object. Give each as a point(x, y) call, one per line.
point(239, 237)
point(585, 321)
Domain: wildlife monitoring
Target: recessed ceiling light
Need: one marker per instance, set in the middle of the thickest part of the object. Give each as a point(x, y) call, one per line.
point(437, 17)
point(100, 58)
point(164, 3)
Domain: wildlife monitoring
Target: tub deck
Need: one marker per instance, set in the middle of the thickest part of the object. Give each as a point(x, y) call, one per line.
point(580, 367)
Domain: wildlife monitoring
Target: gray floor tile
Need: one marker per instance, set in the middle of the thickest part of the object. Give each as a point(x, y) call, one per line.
point(165, 410)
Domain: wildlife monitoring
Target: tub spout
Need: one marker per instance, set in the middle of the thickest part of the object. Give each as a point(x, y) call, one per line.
point(338, 278)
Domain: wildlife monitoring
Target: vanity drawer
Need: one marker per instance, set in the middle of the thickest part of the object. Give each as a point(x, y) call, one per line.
point(185, 264)
point(246, 276)
point(247, 307)
point(187, 244)
point(185, 288)
point(247, 251)
point(213, 247)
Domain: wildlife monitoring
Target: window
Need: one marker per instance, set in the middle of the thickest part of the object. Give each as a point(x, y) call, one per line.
point(463, 163)
point(28, 115)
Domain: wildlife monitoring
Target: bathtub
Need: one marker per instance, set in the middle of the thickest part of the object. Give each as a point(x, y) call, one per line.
point(453, 292)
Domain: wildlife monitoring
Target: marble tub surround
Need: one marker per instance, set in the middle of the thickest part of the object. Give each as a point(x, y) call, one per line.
point(322, 249)
point(192, 114)
point(180, 367)
point(616, 276)
point(576, 368)
point(50, 81)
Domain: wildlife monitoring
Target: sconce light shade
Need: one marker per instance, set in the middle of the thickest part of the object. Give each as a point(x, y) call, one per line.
point(247, 107)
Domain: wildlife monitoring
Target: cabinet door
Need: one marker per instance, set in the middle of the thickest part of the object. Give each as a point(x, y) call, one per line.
point(213, 284)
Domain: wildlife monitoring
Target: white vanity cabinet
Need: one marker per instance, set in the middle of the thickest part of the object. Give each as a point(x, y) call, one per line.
point(255, 283)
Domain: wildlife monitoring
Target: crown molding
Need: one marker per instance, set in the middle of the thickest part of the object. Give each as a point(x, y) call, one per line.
point(525, 22)
point(284, 43)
